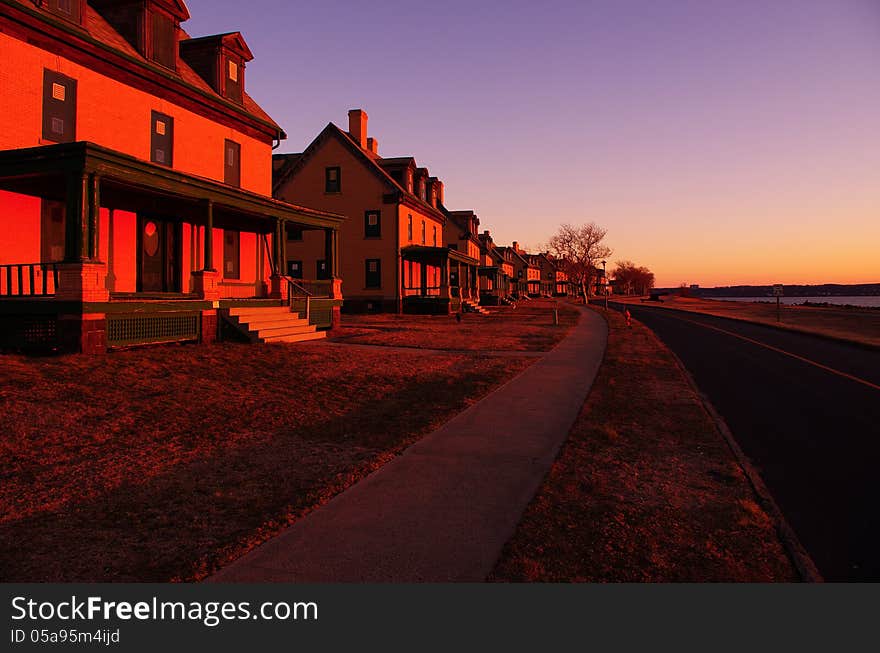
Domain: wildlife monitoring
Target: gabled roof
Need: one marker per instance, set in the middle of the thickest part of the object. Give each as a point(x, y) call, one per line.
point(96, 37)
point(295, 162)
point(406, 161)
point(232, 40)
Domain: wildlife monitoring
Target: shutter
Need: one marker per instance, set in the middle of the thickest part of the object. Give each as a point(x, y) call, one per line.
point(162, 139)
point(59, 107)
point(232, 163)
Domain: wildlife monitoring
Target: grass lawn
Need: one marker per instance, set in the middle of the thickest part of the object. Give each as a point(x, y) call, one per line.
point(164, 463)
point(645, 488)
point(528, 327)
point(861, 325)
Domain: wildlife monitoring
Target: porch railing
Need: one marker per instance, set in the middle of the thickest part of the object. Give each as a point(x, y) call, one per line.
point(297, 293)
point(28, 279)
point(317, 288)
point(422, 291)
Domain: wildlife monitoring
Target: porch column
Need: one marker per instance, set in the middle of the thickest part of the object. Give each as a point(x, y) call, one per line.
point(94, 218)
point(330, 253)
point(209, 235)
point(282, 248)
point(459, 279)
point(76, 241)
point(424, 279)
point(444, 278)
point(277, 254)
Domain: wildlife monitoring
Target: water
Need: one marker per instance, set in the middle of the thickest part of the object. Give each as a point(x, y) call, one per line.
point(867, 300)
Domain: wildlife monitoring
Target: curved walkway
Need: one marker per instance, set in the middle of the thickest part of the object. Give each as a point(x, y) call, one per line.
point(444, 509)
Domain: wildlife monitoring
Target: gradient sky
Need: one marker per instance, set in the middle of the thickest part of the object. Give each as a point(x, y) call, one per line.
point(719, 142)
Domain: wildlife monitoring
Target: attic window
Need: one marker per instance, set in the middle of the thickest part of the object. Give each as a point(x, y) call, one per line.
point(234, 85)
point(164, 40)
point(69, 9)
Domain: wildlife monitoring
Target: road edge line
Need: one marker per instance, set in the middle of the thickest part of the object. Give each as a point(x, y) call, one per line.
point(802, 561)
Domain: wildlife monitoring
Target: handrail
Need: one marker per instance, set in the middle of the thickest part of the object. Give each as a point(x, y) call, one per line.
point(7, 276)
point(294, 288)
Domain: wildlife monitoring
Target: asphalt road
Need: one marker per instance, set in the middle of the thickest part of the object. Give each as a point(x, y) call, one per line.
point(806, 411)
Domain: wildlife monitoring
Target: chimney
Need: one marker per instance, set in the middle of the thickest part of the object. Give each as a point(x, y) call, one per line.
point(372, 143)
point(516, 247)
point(439, 186)
point(357, 126)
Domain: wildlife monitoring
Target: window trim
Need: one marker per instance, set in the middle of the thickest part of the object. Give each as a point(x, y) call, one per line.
point(232, 174)
point(338, 181)
point(377, 273)
point(290, 272)
point(155, 117)
point(66, 108)
point(377, 228)
point(235, 259)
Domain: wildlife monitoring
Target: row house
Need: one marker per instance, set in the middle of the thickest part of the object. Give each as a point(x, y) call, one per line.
point(461, 234)
point(527, 275)
point(496, 272)
point(135, 179)
point(392, 252)
point(554, 280)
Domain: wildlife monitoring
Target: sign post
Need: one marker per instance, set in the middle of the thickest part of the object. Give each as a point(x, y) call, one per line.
point(777, 293)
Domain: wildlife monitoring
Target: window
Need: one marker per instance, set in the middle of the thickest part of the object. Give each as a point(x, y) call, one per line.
point(332, 180)
point(409, 227)
point(373, 273)
point(162, 139)
point(424, 233)
point(295, 269)
point(164, 40)
point(59, 107)
point(231, 254)
point(232, 164)
point(321, 270)
point(233, 81)
point(435, 236)
point(69, 9)
point(53, 232)
point(372, 224)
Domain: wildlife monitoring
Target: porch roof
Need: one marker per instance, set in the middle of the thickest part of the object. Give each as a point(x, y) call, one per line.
point(129, 183)
point(427, 254)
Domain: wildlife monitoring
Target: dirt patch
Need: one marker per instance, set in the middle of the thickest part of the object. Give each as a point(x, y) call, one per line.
point(645, 489)
point(165, 463)
point(528, 327)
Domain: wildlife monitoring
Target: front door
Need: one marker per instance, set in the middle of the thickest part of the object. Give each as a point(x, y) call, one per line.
point(158, 255)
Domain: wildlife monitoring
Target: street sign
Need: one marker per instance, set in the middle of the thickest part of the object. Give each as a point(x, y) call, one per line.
point(777, 290)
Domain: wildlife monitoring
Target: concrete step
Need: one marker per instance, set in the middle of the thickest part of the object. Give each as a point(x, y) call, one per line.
point(257, 324)
point(259, 310)
point(298, 337)
point(262, 334)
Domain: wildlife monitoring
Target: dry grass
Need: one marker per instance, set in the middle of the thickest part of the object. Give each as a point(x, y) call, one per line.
point(645, 489)
point(860, 325)
point(528, 327)
point(164, 463)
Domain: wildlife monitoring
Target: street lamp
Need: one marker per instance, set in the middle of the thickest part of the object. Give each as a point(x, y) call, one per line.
point(605, 283)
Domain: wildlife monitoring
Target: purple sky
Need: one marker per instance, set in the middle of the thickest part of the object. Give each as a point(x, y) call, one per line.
point(718, 141)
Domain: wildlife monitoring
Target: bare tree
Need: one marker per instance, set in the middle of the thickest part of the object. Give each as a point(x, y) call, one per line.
point(579, 250)
point(633, 279)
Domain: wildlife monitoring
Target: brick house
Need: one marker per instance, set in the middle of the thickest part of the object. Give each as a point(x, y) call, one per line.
point(497, 278)
point(135, 179)
point(392, 255)
point(527, 274)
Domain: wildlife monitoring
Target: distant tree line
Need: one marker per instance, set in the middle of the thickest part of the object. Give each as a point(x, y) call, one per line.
point(632, 279)
point(580, 251)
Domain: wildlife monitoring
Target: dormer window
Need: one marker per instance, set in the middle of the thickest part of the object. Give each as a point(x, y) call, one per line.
point(68, 9)
point(163, 40)
point(233, 89)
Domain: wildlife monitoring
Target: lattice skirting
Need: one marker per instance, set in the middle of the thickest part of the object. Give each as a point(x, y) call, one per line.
point(28, 331)
point(147, 328)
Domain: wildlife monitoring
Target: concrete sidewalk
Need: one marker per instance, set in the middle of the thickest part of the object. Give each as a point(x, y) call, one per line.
point(444, 509)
